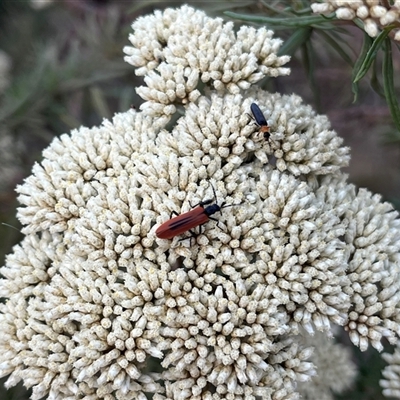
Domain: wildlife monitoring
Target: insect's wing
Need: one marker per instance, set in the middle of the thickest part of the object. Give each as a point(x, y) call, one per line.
point(182, 223)
point(258, 115)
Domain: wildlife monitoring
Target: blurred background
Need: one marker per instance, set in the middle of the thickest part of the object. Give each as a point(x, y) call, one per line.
point(61, 66)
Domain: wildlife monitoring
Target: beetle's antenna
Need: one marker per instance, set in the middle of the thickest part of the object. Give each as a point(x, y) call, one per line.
point(215, 194)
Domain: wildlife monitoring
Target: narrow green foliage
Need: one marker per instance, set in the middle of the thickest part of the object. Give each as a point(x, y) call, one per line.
point(391, 137)
point(388, 83)
point(371, 54)
point(367, 43)
point(309, 58)
point(332, 39)
point(267, 4)
point(99, 102)
point(284, 23)
point(375, 84)
point(298, 38)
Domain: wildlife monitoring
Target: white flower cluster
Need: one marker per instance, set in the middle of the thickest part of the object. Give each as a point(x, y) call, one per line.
point(336, 371)
point(375, 14)
point(179, 50)
point(391, 373)
point(100, 307)
point(374, 271)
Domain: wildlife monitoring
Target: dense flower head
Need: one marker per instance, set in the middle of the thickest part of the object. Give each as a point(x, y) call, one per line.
point(100, 286)
point(176, 50)
point(375, 14)
point(336, 370)
point(98, 306)
point(391, 374)
point(374, 270)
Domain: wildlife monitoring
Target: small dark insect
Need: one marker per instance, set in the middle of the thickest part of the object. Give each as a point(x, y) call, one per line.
point(191, 219)
point(260, 120)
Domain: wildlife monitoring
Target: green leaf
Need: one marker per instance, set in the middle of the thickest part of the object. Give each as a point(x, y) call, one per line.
point(364, 50)
point(335, 45)
point(99, 101)
point(294, 22)
point(371, 53)
point(392, 136)
point(376, 85)
point(280, 11)
point(298, 38)
point(309, 61)
point(388, 83)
